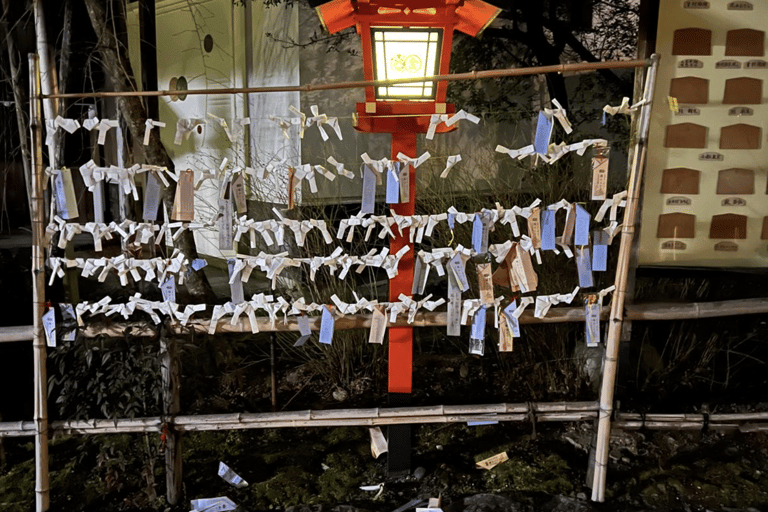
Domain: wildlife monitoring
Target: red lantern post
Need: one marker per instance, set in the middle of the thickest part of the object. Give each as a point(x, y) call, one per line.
point(404, 40)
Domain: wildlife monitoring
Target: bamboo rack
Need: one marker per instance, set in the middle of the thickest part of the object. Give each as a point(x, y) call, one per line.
point(610, 361)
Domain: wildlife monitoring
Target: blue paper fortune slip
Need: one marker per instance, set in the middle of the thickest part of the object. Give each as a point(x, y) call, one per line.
point(168, 288)
point(599, 251)
point(199, 263)
point(581, 231)
point(369, 190)
point(451, 220)
point(513, 322)
point(584, 266)
point(548, 230)
point(477, 233)
point(543, 134)
point(479, 423)
point(393, 187)
point(304, 329)
point(326, 326)
point(49, 325)
point(478, 325)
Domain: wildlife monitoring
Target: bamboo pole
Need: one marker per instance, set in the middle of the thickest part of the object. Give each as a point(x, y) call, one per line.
point(647, 312)
point(171, 383)
point(37, 209)
point(452, 77)
point(617, 303)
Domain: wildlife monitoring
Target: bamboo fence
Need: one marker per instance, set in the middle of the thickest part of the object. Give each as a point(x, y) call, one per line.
point(534, 412)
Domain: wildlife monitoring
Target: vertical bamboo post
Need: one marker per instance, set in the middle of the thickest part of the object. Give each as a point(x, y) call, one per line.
point(617, 304)
point(37, 210)
point(273, 371)
point(171, 379)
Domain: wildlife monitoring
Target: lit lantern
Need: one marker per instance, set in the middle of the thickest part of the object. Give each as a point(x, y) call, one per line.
point(405, 40)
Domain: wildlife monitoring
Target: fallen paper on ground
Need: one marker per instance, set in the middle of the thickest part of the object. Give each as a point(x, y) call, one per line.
point(378, 487)
point(378, 442)
point(230, 476)
point(213, 504)
point(492, 462)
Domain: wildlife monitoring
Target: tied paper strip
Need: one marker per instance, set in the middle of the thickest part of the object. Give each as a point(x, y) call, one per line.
point(49, 326)
point(452, 160)
point(321, 119)
point(624, 108)
point(599, 251)
point(378, 327)
point(149, 123)
point(184, 129)
point(304, 330)
point(436, 119)
point(235, 282)
point(477, 337)
point(561, 115)
point(326, 326)
point(340, 170)
point(600, 162)
point(231, 477)
point(103, 127)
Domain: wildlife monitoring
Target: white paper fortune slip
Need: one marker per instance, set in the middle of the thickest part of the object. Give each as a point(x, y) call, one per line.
point(151, 197)
point(168, 289)
point(68, 316)
point(584, 266)
point(220, 504)
point(600, 161)
point(230, 476)
point(66, 202)
point(592, 309)
point(600, 251)
point(304, 329)
point(405, 182)
point(369, 190)
point(226, 234)
point(378, 442)
point(454, 307)
point(477, 337)
point(235, 283)
point(49, 326)
point(456, 267)
point(326, 326)
point(492, 462)
point(378, 325)
point(184, 201)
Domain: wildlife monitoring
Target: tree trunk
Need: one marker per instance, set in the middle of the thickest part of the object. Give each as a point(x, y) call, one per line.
point(118, 68)
point(171, 380)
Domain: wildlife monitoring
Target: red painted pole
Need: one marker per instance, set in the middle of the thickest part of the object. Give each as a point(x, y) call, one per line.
point(401, 338)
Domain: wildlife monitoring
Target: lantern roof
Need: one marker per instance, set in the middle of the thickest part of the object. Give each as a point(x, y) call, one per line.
point(467, 16)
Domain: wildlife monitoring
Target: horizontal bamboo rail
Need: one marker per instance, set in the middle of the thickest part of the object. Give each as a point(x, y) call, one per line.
point(542, 412)
point(538, 412)
point(16, 333)
point(453, 77)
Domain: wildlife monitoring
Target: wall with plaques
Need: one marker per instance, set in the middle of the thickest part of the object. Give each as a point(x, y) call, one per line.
point(706, 185)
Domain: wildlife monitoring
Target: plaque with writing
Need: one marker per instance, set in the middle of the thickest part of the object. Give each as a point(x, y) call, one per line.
point(405, 181)
point(740, 6)
point(184, 201)
point(690, 64)
point(534, 227)
point(711, 156)
point(600, 160)
point(726, 247)
point(695, 4)
point(238, 192)
point(326, 326)
point(741, 111)
point(756, 64)
point(454, 307)
point(675, 245)
point(151, 198)
point(485, 283)
point(688, 111)
point(733, 201)
point(727, 64)
point(679, 201)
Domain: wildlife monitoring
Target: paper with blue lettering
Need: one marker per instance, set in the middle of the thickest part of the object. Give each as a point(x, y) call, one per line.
point(326, 326)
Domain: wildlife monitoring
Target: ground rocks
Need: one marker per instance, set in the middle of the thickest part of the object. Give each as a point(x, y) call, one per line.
point(485, 503)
